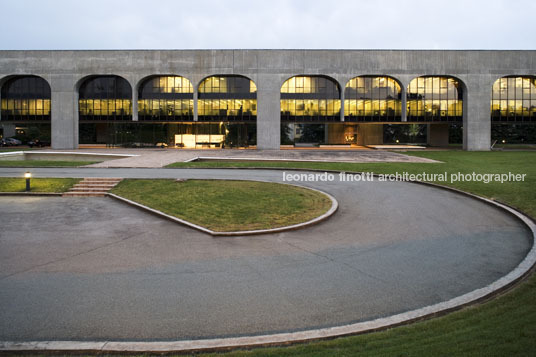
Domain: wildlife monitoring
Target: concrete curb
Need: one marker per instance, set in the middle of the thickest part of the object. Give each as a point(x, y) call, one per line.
point(323, 217)
point(309, 335)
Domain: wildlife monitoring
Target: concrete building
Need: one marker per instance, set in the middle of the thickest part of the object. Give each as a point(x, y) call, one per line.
point(265, 98)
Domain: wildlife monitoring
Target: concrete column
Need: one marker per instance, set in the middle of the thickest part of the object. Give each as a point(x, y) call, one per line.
point(9, 130)
point(134, 104)
point(342, 104)
point(477, 113)
point(196, 116)
point(404, 83)
point(64, 113)
point(268, 112)
point(404, 104)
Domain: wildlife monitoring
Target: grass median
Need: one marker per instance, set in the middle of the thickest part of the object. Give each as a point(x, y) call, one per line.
point(225, 205)
point(15, 184)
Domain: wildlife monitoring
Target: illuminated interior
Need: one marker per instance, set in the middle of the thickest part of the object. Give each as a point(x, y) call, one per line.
point(310, 98)
point(105, 98)
point(25, 98)
point(370, 98)
point(514, 99)
point(166, 98)
point(227, 98)
point(435, 99)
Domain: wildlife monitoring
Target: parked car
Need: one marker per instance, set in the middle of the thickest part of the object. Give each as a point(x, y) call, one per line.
point(37, 143)
point(12, 142)
point(3, 142)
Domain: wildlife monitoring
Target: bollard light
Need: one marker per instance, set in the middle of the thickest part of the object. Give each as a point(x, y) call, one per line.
point(504, 141)
point(27, 176)
point(397, 141)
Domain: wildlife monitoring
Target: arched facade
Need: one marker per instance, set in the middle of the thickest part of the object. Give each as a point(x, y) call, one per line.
point(439, 90)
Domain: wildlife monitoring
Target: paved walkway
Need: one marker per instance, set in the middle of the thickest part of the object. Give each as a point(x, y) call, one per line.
point(95, 269)
point(163, 157)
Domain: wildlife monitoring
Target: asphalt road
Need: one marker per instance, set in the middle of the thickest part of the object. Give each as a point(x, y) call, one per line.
point(96, 269)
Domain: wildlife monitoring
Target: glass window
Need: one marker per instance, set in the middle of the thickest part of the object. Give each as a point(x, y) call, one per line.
point(26, 98)
point(433, 98)
point(372, 98)
point(310, 98)
point(513, 98)
point(166, 98)
point(105, 98)
point(227, 98)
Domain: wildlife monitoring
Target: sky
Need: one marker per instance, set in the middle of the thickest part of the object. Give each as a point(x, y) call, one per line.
point(241, 24)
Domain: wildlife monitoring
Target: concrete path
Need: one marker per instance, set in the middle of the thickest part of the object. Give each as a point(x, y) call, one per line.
point(163, 157)
point(94, 269)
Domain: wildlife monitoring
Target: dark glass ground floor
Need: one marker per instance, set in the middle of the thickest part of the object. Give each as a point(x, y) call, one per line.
point(243, 135)
point(353, 134)
point(174, 135)
point(26, 131)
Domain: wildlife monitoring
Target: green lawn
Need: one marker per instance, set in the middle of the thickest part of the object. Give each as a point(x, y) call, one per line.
point(44, 163)
point(228, 205)
point(8, 184)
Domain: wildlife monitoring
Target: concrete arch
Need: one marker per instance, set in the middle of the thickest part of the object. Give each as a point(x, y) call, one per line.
point(397, 80)
point(457, 78)
point(339, 86)
point(143, 80)
point(198, 85)
point(7, 78)
point(81, 80)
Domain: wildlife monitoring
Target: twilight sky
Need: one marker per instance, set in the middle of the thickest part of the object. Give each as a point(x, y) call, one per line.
point(210, 24)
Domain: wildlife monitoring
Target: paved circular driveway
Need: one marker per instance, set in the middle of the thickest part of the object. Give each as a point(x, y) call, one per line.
point(95, 269)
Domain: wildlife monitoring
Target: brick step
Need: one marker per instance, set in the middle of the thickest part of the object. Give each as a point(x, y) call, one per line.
point(92, 187)
point(84, 194)
point(102, 179)
point(89, 185)
point(88, 189)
